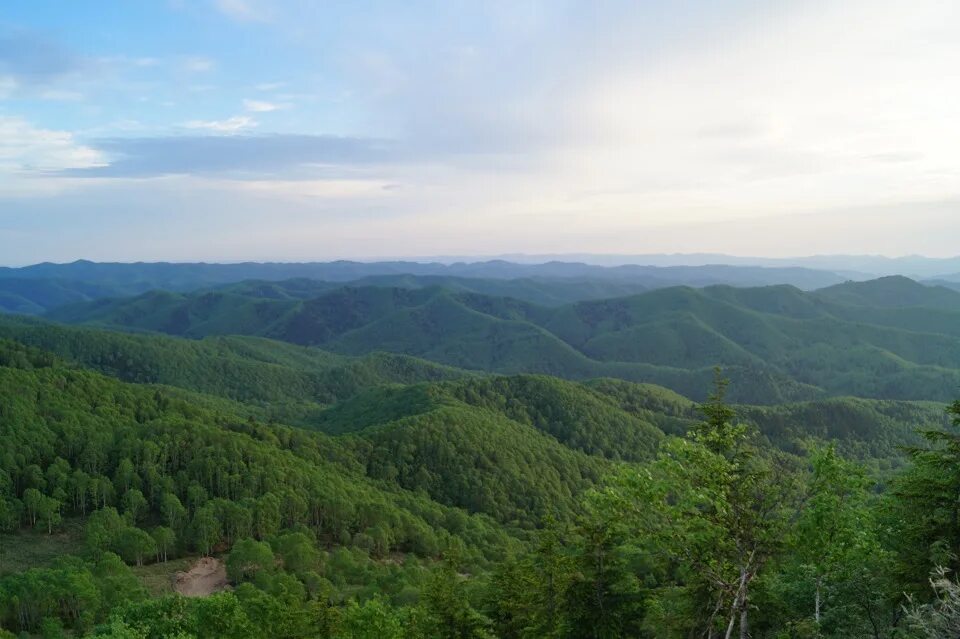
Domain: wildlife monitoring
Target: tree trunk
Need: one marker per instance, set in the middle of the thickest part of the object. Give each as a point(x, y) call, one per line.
point(711, 626)
point(733, 615)
point(744, 622)
point(816, 602)
point(739, 608)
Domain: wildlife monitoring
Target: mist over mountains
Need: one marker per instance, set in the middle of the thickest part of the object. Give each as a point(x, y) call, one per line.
point(40, 287)
point(851, 266)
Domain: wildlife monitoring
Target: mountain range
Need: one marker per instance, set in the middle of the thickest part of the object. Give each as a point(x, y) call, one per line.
point(778, 343)
point(40, 287)
point(338, 444)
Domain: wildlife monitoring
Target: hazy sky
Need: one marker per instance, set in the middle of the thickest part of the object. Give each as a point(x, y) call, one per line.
point(301, 129)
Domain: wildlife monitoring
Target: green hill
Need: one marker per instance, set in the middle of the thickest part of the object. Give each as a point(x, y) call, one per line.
point(541, 291)
point(35, 296)
point(865, 429)
point(892, 292)
point(413, 464)
point(128, 435)
point(480, 461)
point(777, 343)
point(569, 412)
point(248, 369)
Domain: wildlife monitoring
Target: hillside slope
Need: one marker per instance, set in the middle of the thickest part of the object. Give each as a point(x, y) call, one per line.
point(777, 343)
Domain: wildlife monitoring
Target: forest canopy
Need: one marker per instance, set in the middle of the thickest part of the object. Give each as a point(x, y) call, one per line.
point(379, 494)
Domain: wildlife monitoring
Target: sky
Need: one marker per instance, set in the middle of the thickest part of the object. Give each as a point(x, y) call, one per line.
point(228, 130)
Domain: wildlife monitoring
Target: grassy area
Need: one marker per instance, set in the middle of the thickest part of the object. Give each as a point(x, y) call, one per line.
point(158, 577)
point(34, 548)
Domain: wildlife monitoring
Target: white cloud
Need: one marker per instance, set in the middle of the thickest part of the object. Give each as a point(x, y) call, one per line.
point(198, 64)
point(60, 95)
point(660, 129)
point(306, 190)
point(28, 152)
point(24, 147)
point(269, 86)
point(241, 10)
point(230, 125)
point(262, 106)
point(811, 106)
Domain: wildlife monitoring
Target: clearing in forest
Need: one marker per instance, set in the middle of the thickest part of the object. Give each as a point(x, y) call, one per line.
point(204, 578)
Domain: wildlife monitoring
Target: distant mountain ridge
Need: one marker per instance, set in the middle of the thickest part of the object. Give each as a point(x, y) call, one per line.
point(128, 279)
point(779, 343)
point(34, 290)
point(859, 267)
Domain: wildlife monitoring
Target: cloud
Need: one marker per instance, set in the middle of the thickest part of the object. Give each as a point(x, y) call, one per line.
point(269, 86)
point(241, 10)
point(60, 95)
point(198, 64)
point(239, 156)
point(262, 106)
point(28, 152)
point(230, 125)
point(24, 147)
point(587, 126)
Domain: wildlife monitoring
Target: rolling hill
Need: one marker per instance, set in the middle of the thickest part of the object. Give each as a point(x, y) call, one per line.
point(247, 369)
point(28, 296)
point(399, 463)
point(892, 292)
point(891, 338)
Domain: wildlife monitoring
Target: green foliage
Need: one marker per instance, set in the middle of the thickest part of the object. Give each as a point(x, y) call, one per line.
point(450, 612)
point(372, 619)
point(498, 445)
point(926, 513)
point(559, 509)
point(248, 558)
point(236, 477)
point(714, 506)
point(73, 593)
point(834, 577)
point(259, 371)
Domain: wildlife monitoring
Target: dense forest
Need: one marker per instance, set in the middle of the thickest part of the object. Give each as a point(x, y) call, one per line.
point(439, 459)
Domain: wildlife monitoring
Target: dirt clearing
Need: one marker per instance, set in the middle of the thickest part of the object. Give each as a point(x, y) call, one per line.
point(204, 578)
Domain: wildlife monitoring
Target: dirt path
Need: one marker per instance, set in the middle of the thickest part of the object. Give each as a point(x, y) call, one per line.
point(205, 577)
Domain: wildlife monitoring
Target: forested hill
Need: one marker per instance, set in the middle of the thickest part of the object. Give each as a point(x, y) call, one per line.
point(439, 456)
point(338, 394)
point(893, 292)
point(889, 338)
point(283, 378)
point(413, 495)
